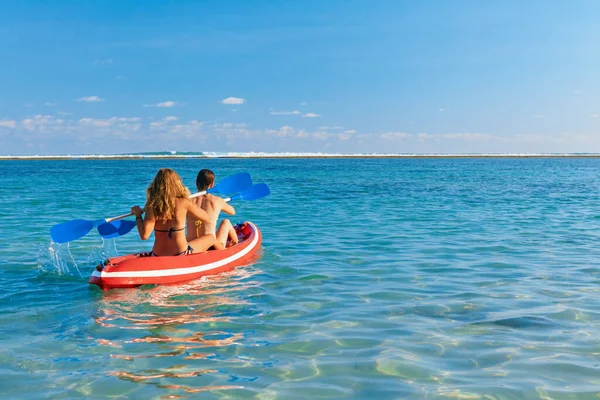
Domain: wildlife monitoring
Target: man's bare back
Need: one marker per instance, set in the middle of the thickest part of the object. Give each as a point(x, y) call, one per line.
point(213, 205)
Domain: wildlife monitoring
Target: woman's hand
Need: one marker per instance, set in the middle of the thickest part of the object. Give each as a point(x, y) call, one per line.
point(137, 211)
point(144, 227)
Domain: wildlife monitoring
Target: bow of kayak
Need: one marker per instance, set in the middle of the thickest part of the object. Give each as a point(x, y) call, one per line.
point(131, 270)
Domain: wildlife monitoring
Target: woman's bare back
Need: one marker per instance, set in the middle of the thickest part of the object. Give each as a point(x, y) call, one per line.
point(170, 234)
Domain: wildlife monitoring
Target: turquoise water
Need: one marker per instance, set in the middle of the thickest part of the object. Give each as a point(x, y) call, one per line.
point(380, 278)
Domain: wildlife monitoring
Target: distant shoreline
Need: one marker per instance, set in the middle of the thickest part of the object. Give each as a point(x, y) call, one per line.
point(299, 156)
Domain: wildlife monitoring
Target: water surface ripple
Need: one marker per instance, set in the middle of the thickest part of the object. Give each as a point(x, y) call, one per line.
point(379, 278)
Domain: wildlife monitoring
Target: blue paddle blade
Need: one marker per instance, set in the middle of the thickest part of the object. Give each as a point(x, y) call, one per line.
point(254, 192)
point(232, 184)
point(71, 230)
point(115, 229)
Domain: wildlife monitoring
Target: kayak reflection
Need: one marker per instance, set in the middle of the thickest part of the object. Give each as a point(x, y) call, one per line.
point(160, 335)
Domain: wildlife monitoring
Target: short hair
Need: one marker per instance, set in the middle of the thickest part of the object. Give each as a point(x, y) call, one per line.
point(204, 179)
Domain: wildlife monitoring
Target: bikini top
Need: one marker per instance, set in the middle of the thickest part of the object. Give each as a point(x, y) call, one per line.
point(170, 231)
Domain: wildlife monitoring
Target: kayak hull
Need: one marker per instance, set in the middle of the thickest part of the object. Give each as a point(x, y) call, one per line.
point(132, 271)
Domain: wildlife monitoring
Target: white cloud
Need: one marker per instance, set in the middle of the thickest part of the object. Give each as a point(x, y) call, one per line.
point(164, 129)
point(8, 123)
point(104, 62)
point(442, 109)
point(99, 123)
point(49, 104)
point(459, 136)
point(230, 132)
point(190, 129)
point(594, 115)
point(466, 136)
point(167, 104)
point(233, 100)
point(284, 131)
point(436, 137)
point(106, 129)
point(295, 112)
point(132, 119)
point(304, 103)
point(229, 125)
point(288, 130)
point(90, 99)
point(106, 123)
point(311, 115)
point(64, 113)
point(41, 123)
point(163, 122)
point(395, 135)
point(164, 104)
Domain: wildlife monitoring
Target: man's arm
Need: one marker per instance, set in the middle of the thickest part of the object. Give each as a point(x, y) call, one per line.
point(227, 208)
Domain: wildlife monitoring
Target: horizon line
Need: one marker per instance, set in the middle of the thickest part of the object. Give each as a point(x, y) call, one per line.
point(195, 155)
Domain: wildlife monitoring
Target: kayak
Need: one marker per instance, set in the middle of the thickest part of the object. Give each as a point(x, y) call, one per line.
point(134, 270)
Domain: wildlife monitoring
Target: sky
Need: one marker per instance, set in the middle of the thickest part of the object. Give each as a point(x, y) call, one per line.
point(335, 76)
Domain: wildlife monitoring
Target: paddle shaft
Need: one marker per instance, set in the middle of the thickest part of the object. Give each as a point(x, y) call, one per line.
point(192, 196)
point(130, 214)
point(119, 228)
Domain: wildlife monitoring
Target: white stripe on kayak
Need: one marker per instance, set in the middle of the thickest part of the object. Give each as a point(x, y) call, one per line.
point(180, 271)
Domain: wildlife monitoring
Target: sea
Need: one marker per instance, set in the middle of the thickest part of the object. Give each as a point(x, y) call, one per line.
point(379, 278)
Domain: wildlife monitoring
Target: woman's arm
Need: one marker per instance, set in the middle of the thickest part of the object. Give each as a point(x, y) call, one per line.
point(144, 224)
point(197, 212)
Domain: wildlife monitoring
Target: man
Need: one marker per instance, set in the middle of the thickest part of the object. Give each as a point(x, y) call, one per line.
point(213, 205)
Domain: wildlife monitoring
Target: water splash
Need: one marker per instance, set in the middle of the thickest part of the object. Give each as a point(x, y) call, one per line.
point(56, 258)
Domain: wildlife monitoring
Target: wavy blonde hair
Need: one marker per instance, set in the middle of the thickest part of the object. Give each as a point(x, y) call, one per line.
point(161, 195)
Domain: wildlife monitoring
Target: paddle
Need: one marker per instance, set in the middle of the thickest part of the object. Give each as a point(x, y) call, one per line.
point(71, 230)
point(254, 192)
point(122, 227)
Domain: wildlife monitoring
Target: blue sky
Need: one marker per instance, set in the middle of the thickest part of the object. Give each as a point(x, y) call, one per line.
point(299, 76)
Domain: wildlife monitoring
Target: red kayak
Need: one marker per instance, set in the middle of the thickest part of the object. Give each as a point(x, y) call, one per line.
point(132, 270)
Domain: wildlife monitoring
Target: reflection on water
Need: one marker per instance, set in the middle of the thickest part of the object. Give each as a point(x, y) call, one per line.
point(382, 279)
point(170, 334)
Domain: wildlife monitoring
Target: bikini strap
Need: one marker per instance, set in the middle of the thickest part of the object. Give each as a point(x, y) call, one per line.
point(198, 223)
point(170, 231)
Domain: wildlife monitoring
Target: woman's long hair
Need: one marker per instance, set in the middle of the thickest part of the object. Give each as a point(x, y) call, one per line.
point(161, 195)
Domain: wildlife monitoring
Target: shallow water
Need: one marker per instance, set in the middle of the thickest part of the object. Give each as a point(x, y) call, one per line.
point(380, 278)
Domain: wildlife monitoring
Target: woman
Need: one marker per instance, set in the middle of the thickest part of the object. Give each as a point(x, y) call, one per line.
point(167, 204)
point(213, 206)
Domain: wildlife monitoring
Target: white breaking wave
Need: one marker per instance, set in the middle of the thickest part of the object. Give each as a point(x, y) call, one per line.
point(174, 154)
